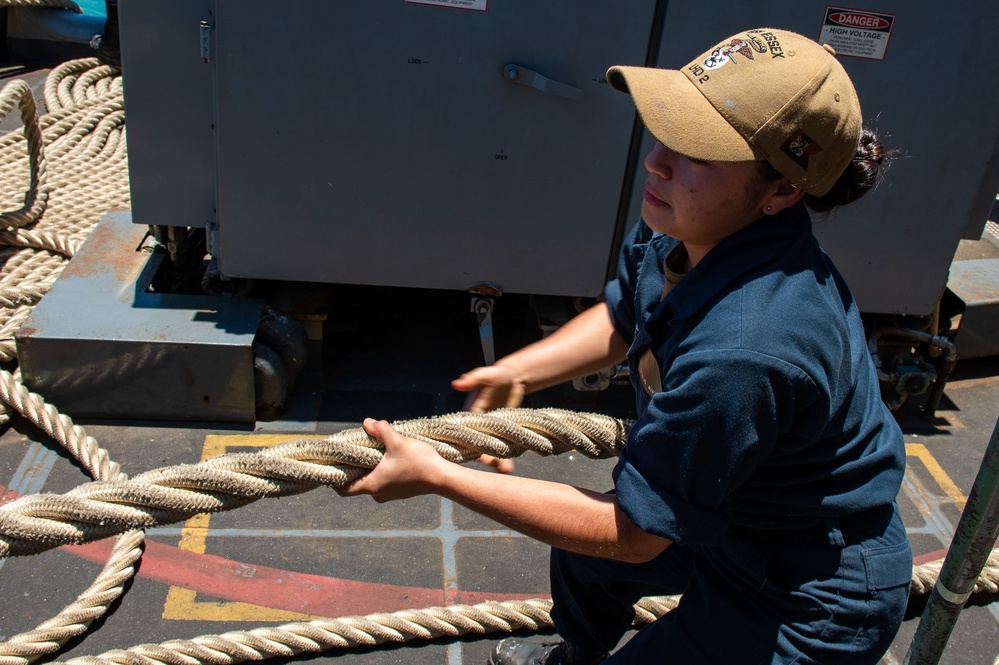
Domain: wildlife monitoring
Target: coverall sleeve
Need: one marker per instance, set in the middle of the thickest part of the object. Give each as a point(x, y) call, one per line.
point(620, 291)
point(720, 414)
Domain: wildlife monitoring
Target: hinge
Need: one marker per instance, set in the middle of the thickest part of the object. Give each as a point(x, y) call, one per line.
point(212, 236)
point(206, 41)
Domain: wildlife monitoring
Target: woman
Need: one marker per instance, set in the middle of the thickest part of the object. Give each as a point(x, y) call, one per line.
point(760, 478)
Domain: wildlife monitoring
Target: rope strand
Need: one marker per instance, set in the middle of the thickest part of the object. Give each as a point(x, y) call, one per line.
point(92, 511)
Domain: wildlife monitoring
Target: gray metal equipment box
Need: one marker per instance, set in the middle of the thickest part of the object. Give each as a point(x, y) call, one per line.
point(424, 144)
point(441, 143)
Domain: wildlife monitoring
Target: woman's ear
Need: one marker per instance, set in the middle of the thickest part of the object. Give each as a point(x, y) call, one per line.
point(782, 195)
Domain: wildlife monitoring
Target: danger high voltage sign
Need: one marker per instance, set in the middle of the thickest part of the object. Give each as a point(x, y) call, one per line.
point(857, 33)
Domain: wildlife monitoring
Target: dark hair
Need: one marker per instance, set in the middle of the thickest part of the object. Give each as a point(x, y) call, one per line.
point(860, 176)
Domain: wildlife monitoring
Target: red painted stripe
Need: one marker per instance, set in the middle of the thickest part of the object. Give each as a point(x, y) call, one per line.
point(225, 579)
point(929, 556)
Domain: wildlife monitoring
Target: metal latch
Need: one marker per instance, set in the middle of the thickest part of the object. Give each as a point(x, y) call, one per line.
point(532, 79)
point(206, 41)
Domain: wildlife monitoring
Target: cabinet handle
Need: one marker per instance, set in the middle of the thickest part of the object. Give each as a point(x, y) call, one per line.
point(532, 79)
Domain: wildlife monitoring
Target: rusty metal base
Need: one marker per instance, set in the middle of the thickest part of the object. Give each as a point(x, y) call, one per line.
point(100, 344)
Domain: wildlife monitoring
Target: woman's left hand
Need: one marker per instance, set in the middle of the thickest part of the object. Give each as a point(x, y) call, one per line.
point(408, 468)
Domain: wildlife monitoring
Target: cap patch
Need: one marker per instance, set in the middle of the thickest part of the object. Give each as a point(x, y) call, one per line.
point(726, 52)
point(773, 44)
point(799, 146)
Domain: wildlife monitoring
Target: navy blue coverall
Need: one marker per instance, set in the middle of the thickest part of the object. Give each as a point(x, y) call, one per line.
point(768, 459)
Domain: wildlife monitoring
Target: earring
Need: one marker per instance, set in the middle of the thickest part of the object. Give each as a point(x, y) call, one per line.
point(769, 208)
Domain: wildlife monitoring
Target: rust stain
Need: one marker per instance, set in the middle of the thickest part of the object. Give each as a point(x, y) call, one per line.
point(25, 332)
point(101, 254)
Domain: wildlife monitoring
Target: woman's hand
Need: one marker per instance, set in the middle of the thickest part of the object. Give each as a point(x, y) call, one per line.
point(408, 468)
point(492, 387)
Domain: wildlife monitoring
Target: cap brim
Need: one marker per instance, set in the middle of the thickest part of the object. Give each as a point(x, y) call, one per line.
point(679, 116)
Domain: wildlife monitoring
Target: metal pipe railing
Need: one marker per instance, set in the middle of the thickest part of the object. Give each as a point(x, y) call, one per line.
point(974, 538)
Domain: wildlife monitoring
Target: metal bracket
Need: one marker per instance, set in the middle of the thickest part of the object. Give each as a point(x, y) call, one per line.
point(483, 308)
point(601, 380)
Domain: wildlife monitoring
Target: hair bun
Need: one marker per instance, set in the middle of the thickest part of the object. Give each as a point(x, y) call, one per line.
point(860, 176)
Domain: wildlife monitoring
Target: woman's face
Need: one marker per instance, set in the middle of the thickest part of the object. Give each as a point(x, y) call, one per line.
point(700, 203)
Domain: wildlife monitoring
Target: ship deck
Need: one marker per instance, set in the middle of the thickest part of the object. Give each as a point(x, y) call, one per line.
point(391, 354)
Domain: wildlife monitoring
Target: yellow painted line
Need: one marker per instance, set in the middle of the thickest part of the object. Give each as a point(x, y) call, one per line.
point(217, 444)
point(182, 604)
point(950, 488)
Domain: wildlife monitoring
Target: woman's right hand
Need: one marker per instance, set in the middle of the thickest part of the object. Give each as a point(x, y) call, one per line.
point(492, 387)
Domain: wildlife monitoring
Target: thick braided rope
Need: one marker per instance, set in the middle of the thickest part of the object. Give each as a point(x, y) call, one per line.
point(18, 93)
point(96, 510)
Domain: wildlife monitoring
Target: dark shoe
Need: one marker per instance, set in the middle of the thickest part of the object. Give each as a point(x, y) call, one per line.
point(515, 651)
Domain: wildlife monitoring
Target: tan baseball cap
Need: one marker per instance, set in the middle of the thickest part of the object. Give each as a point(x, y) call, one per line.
point(761, 94)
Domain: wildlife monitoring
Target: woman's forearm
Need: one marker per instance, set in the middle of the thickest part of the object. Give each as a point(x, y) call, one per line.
point(586, 344)
point(563, 516)
point(560, 515)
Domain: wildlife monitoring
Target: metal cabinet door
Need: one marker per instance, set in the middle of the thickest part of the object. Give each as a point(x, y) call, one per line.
point(382, 142)
point(932, 97)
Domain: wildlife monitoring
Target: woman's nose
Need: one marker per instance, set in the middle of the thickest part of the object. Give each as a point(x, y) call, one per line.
point(659, 161)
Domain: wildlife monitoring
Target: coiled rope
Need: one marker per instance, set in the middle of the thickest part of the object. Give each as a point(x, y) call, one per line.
point(60, 175)
point(18, 92)
point(58, 188)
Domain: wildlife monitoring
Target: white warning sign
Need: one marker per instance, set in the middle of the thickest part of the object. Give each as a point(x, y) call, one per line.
point(857, 32)
point(475, 5)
